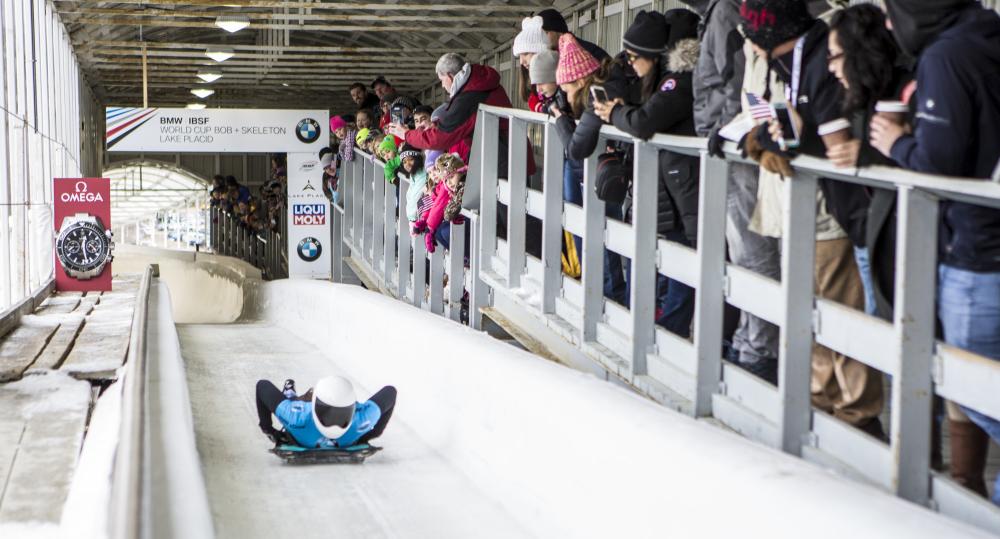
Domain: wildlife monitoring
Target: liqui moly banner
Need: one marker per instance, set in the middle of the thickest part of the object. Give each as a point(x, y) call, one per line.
point(216, 130)
point(308, 218)
point(82, 244)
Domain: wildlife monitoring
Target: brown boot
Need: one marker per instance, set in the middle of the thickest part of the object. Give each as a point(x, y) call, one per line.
point(968, 455)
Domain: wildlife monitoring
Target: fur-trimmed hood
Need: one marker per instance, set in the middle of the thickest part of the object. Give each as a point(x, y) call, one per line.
point(683, 57)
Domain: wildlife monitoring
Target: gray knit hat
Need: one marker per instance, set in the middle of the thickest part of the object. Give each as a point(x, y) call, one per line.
point(543, 67)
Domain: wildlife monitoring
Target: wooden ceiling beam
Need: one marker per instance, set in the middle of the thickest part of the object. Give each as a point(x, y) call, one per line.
point(238, 48)
point(269, 16)
point(139, 21)
point(375, 6)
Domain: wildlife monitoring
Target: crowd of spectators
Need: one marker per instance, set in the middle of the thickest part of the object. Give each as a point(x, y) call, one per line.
point(914, 86)
point(260, 212)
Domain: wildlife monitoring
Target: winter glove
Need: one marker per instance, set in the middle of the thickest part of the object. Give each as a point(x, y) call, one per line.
point(429, 241)
point(715, 142)
point(776, 163)
point(419, 227)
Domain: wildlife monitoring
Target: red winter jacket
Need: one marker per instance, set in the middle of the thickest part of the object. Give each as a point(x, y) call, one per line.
point(455, 129)
point(435, 214)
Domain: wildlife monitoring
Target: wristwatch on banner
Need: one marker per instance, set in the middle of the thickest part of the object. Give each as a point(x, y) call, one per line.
point(83, 246)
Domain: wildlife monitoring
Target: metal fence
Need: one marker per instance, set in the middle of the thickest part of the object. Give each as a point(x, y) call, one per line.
point(371, 233)
point(688, 374)
point(263, 249)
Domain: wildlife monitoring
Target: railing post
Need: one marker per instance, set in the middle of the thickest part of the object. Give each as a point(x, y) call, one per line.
point(403, 275)
point(517, 181)
point(552, 190)
point(389, 233)
point(479, 294)
point(419, 271)
point(437, 280)
point(490, 126)
point(642, 300)
point(358, 208)
point(708, 313)
point(798, 252)
point(593, 252)
point(914, 321)
point(456, 273)
point(336, 244)
point(378, 218)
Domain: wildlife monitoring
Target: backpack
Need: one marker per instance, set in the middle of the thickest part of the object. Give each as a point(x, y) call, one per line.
point(614, 176)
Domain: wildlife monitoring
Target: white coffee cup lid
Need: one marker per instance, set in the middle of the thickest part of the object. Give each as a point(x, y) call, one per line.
point(833, 126)
point(891, 107)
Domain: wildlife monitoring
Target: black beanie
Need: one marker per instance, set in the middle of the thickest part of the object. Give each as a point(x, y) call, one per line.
point(769, 23)
point(553, 21)
point(683, 24)
point(648, 34)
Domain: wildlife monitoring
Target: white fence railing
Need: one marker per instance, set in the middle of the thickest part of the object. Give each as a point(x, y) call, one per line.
point(688, 374)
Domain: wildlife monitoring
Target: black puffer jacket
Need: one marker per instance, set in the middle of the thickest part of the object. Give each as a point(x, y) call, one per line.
point(670, 110)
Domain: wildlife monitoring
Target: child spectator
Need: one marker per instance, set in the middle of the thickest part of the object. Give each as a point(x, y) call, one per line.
point(529, 42)
point(449, 174)
point(364, 119)
point(542, 72)
point(422, 117)
point(411, 168)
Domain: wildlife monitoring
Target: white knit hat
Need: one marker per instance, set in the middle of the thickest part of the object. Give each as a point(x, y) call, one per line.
point(531, 39)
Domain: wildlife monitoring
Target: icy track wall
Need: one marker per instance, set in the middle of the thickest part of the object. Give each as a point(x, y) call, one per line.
point(567, 454)
point(204, 288)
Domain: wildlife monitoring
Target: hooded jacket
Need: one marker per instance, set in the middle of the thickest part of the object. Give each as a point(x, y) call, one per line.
point(719, 74)
point(957, 127)
point(669, 110)
point(458, 119)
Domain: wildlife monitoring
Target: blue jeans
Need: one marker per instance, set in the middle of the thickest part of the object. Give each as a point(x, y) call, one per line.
point(614, 280)
point(969, 308)
point(865, 268)
point(674, 299)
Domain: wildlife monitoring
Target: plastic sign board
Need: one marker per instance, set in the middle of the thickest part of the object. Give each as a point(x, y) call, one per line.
point(308, 218)
point(81, 244)
point(216, 130)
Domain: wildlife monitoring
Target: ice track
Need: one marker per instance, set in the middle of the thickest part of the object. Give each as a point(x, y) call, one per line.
point(407, 490)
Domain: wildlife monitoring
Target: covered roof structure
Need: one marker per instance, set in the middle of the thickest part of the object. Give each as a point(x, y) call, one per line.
point(291, 54)
point(139, 189)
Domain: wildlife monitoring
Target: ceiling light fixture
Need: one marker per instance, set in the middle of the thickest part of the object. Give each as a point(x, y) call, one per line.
point(196, 106)
point(209, 76)
point(232, 23)
point(219, 54)
point(202, 92)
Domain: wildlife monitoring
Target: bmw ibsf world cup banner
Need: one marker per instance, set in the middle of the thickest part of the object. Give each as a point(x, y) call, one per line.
point(216, 130)
point(83, 244)
point(308, 218)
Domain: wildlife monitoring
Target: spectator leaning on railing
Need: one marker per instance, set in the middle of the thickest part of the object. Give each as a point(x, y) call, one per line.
point(956, 133)
point(795, 45)
point(663, 51)
point(530, 41)
point(365, 100)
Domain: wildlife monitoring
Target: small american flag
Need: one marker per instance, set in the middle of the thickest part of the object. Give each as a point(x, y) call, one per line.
point(759, 108)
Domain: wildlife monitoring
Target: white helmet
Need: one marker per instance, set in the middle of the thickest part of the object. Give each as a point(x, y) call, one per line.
point(333, 406)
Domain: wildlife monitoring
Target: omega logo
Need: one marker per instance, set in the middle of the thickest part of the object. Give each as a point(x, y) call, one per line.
point(81, 194)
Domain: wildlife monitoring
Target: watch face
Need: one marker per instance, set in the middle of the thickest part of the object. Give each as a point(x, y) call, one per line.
point(83, 247)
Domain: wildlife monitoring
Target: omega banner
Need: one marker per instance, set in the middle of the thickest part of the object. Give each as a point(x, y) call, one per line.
point(216, 130)
point(308, 218)
point(83, 245)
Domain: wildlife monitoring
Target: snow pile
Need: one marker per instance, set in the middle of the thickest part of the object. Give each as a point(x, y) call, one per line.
point(566, 453)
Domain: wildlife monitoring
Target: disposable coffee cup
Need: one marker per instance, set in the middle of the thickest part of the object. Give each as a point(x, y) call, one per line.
point(894, 111)
point(835, 132)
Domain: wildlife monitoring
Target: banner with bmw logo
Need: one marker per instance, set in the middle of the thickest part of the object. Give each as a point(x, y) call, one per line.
point(216, 130)
point(308, 218)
